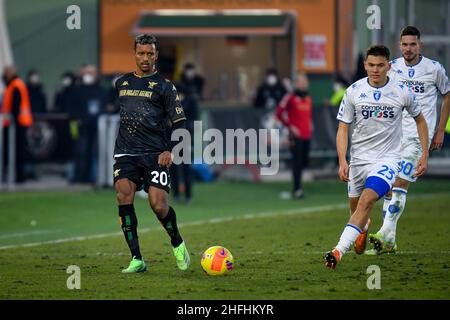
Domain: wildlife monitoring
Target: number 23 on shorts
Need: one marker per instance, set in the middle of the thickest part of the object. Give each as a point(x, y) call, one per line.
point(387, 172)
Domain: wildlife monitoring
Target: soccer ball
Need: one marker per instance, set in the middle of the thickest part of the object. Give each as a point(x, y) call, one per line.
point(217, 261)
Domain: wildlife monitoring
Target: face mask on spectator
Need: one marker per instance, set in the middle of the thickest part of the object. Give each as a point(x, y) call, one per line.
point(337, 86)
point(66, 81)
point(35, 79)
point(88, 79)
point(190, 73)
point(271, 80)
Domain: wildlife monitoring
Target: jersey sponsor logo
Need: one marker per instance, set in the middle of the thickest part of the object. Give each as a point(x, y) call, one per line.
point(178, 110)
point(411, 72)
point(125, 83)
point(151, 84)
point(415, 86)
point(116, 172)
point(377, 95)
point(399, 71)
point(377, 112)
point(135, 93)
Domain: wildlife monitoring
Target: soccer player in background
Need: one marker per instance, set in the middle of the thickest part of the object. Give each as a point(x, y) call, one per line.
point(374, 105)
point(425, 78)
point(149, 105)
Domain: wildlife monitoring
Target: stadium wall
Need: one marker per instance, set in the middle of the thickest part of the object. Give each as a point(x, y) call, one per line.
point(41, 40)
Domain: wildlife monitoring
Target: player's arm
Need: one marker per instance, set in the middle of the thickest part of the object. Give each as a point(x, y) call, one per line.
point(422, 129)
point(438, 138)
point(341, 148)
point(177, 117)
point(443, 86)
point(345, 116)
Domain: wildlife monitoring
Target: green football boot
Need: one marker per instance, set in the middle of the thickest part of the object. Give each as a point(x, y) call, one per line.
point(182, 256)
point(380, 245)
point(136, 266)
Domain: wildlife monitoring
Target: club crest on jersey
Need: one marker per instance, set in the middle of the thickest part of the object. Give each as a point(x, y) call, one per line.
point(377, 95)
point(151, 84)
point(411, 73)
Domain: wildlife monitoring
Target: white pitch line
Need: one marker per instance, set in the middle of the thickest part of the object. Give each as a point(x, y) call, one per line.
point(28, 233)
point(188, 224)
point(209, 221)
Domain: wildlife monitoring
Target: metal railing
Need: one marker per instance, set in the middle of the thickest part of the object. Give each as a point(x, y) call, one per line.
point(9, 183)
point(108, 127)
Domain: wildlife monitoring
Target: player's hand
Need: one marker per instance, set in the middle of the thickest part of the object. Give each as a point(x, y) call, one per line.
point(165, 159)
point(287, 84)
point(437, 142)
point(343, 172)
point(421, 166)
point(294, 130)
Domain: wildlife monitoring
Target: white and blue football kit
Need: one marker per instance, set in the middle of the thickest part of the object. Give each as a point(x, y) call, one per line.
point(425, 79)
point(376, 114)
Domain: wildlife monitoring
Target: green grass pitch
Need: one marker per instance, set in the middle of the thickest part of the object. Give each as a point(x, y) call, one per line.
point(277, 245)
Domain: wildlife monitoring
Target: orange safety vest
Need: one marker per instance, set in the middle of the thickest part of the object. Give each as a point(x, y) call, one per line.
point(25, 118)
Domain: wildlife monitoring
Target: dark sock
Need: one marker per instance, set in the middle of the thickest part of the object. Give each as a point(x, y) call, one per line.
point(129, 224)
point(170, 224)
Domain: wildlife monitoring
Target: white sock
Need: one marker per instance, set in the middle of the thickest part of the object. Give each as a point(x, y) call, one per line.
point(386, 202)
point(348, 237)
point(393, 213)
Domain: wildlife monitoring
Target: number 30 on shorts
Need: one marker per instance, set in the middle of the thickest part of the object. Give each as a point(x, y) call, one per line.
point(159, 177)
point(406, 167)
point(387, 172)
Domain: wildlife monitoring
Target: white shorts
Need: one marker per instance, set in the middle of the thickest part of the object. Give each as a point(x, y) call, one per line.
point(385, 170)
point(411, 153)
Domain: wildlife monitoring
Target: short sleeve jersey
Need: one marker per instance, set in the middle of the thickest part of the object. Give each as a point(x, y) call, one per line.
point(377, 117)
point(425, 79)
point(149, 105)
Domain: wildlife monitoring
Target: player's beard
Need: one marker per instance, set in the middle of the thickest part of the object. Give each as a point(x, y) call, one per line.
point(410, 59)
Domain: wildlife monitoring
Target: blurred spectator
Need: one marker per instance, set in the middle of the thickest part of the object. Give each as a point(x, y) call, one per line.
point(270, 92)
point(112, 106)
point(16, 102)
point(38, 99)
point(189, 91)
point(447, 135)
point(89, 100)
point(360, 71)
point(64, 103)
point(192, 82)
point(63, 100)
point(339, 87)
point(295, 112)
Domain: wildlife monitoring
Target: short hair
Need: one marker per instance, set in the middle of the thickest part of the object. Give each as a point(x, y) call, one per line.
point(377, 51)
point(143, 39)
point(410, 31)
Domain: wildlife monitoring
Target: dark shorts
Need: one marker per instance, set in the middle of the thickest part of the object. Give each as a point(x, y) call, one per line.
point(143, 170)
